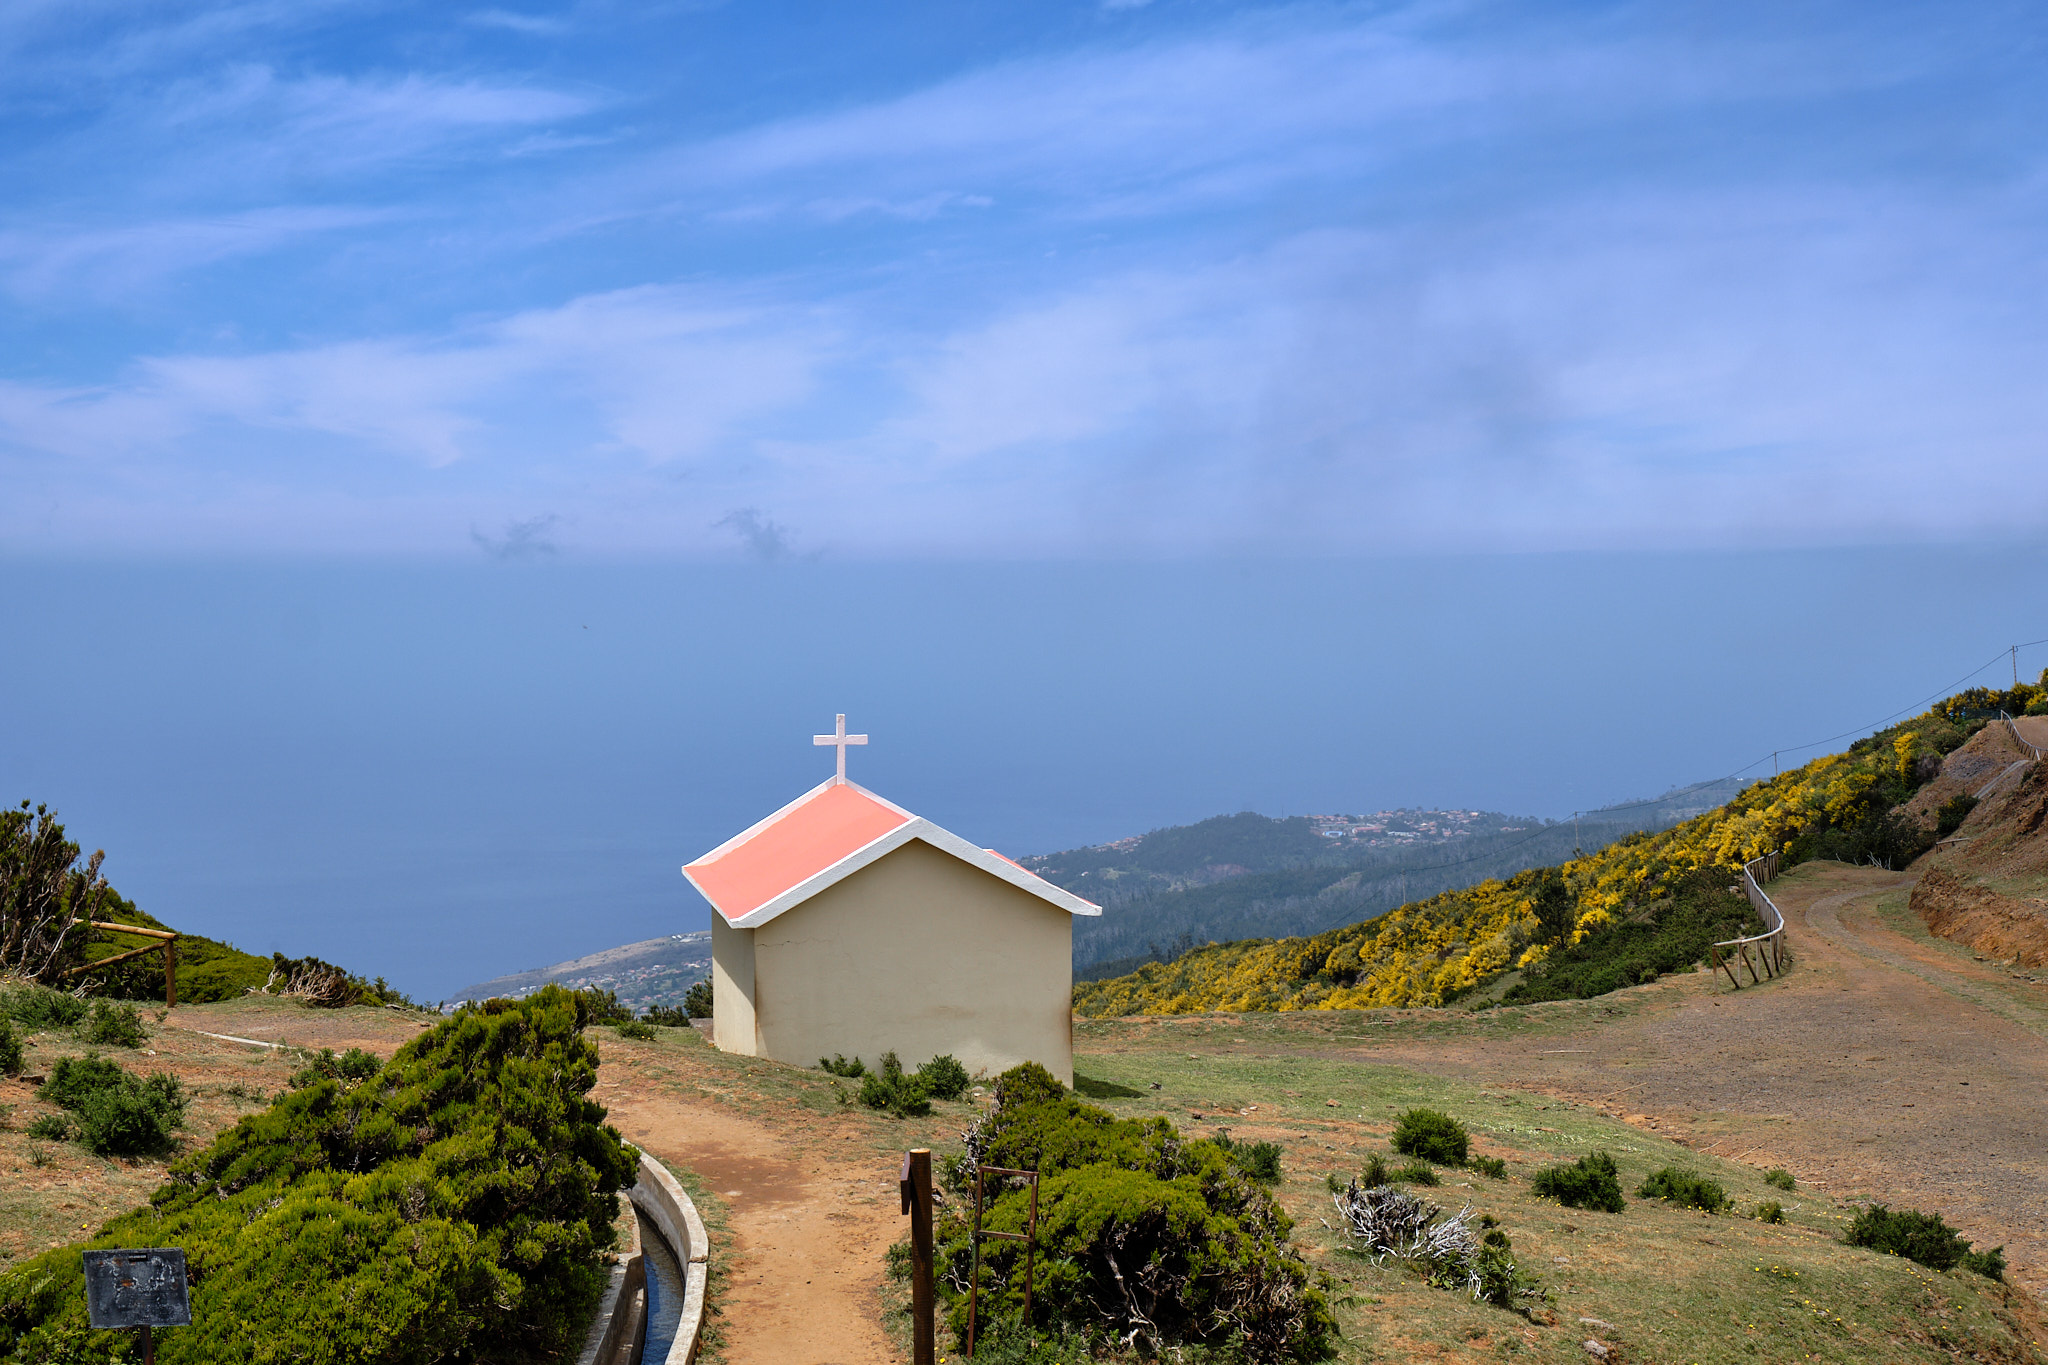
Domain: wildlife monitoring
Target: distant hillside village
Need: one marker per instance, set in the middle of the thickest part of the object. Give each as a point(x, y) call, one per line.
point(1393, 828)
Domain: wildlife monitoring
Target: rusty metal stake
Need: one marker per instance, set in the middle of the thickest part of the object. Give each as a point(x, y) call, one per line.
point(1029, 1237)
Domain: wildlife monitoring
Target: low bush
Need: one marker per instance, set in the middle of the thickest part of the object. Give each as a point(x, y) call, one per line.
point(1419, 1172)
point(1669, 934)
point(1433, 1136)
point(350, 1066)
point(889, 1088)
point(1591, 1182)
point(840, 1066)
point(38, 1007)
point(697, 1000)
point(595, 1005)
point(1687, 1189)
point(1921, 1237)
point(452, 1207)
point(1259, 1160)
point(1770, 1211)
point(667, 1016)
point(1150, 1241)
point(1990, 1264)
point(1492, 1167)
point(113, 1111)
point(50, 1128)
point(1778, 1178)
point(1953, 812)
point(638, 1029)
point(10, 1049)
point(943, 1077)
point(113, 1023)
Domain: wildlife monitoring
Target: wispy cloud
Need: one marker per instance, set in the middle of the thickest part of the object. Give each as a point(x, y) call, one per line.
point(532, 538)
point(532, 25)
point(759, 535)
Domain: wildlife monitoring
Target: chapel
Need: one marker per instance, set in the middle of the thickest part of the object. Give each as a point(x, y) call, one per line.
point(845, 924)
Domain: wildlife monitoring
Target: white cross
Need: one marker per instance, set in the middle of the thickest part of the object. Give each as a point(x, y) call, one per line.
point(839, 739)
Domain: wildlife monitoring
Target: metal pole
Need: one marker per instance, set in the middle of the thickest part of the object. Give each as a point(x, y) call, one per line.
point(1030, 1251)
point(148, 1347)
point(170, 973)
point(924, 1331)
point(974, 1281)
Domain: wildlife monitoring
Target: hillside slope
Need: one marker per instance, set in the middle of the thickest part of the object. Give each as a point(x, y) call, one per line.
point(1987, 888)
point(1844, 806)
point(1235, 876)
point(654, 971)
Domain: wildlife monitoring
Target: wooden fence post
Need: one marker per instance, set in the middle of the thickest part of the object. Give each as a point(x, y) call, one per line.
point(917, 1202)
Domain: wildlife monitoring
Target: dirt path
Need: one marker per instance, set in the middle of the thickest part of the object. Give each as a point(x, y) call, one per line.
point(1884, 1066)
point(807, 1236)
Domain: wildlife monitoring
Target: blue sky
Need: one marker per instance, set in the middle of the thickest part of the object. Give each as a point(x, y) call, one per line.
point(977, 280)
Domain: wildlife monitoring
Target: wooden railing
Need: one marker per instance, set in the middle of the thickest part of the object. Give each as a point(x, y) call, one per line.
point(1765, 950)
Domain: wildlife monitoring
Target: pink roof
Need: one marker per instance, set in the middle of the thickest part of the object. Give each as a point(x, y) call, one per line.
point(791, 847)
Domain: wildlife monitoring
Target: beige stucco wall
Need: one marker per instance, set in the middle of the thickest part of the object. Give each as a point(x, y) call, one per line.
point(918, 952)
point(732, 988)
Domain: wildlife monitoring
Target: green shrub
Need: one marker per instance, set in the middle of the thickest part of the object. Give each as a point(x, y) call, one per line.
point(666, 1016)
point(1202, 1251)
point(1259, 1160)
point(697, 1000)
point(10, 1049)
point(1921, 1237)
point(1670, 934)
point(1770, 1211)
point(1492, 1167)
point(1433, 1136)
point(840, 1066)
point(1375, 1173)
point(890, 1089)
point(113, 1023)
point(1687, 1189)
point(595, 1005)
point(115, 1112)
point(352, 1065)
point(943, 1078)
point(635, 1028)
point(453, 1207)
point(38, 1007)
point(1990, 1264)
point(1419, 1172)
point(1953, 812)
point(50, 1128)
point(1778, 1178)
point(1591, 1182)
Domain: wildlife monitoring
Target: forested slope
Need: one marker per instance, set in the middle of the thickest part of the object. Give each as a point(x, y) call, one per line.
point(1842, 806)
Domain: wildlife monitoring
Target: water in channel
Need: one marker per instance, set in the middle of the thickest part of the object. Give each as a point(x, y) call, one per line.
point(664, 1293)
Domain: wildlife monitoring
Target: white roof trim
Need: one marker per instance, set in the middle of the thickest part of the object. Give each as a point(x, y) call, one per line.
point(751, 830)
point(916, 828)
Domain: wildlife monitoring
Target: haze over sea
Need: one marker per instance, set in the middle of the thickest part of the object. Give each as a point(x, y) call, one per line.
point(442, 772)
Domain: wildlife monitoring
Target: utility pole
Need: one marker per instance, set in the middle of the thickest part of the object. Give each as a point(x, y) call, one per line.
point(2015, 665)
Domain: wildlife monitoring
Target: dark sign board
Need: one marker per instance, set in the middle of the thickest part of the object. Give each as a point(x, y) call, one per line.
point(137, 1288)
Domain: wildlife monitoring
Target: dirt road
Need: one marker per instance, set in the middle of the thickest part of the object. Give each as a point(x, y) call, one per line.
point(1886, 1065)
point(806, 1237)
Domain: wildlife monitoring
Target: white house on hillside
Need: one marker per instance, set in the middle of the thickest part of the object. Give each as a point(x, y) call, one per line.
point(846, 924)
